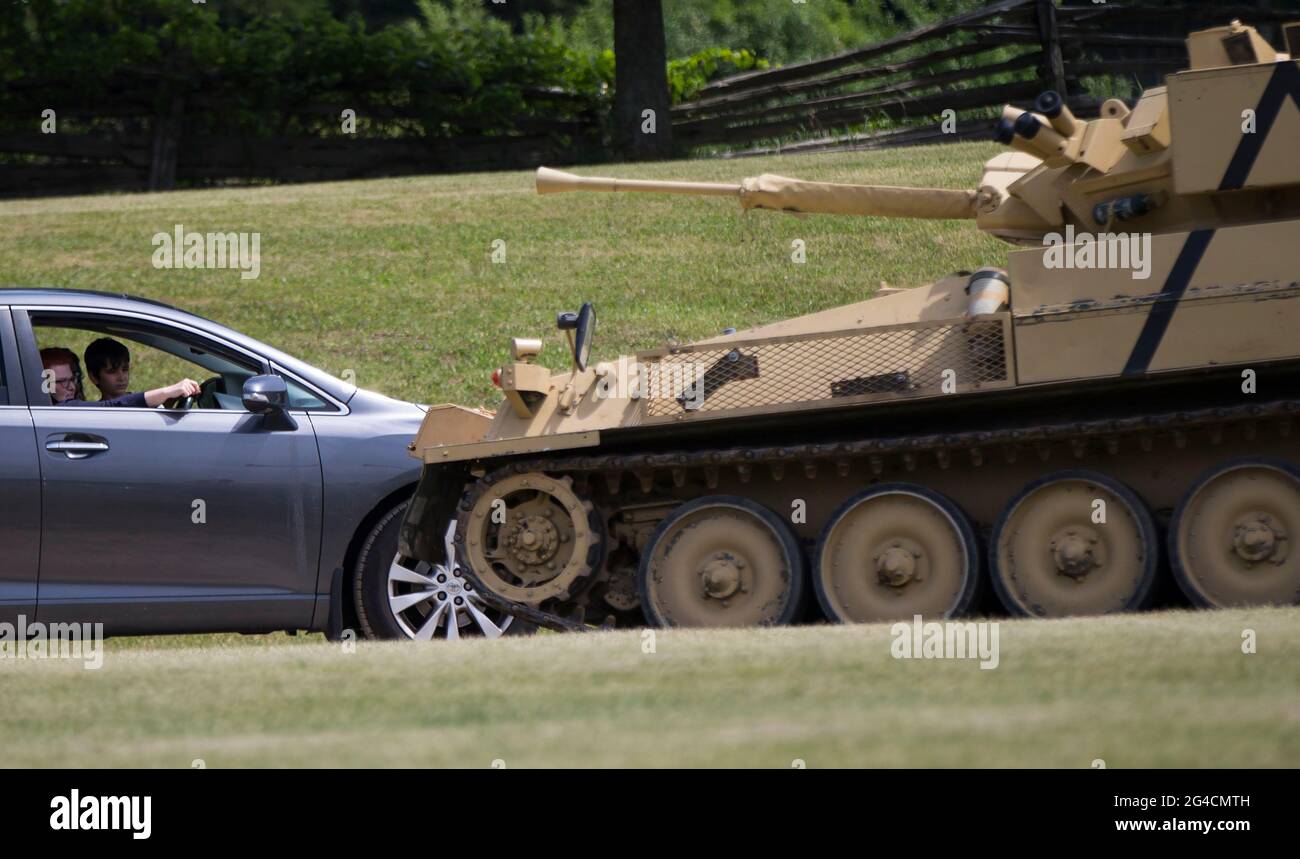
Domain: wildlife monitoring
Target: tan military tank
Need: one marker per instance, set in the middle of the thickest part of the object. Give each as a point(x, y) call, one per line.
point(1115, 399)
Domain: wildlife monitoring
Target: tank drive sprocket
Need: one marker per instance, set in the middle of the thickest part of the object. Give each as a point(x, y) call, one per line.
point(529, 539)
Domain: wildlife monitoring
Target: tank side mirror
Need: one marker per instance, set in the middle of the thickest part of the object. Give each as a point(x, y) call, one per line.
point(580, 328)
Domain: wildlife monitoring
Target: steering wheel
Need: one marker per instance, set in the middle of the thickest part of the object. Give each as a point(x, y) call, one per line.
point(179, 403)
point(205, 399)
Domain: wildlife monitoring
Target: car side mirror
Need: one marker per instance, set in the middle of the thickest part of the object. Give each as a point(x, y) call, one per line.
point(266, 395)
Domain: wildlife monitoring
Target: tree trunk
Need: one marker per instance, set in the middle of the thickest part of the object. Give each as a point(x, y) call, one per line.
point(641, 81)
point(166, 145)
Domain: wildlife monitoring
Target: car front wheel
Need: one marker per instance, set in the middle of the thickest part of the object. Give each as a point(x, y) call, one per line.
point(400, 597)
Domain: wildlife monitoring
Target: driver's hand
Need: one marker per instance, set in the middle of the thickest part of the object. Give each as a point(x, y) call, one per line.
point(183, 388)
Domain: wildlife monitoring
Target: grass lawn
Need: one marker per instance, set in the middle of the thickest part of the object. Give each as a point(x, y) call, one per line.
point(392, 279)
point(1160, 689)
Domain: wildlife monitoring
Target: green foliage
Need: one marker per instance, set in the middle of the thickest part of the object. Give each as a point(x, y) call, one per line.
point(686, 77)
point(274, 67)
point(780, 31)
point(287, 68)
point(454, 67)
point(477, 54)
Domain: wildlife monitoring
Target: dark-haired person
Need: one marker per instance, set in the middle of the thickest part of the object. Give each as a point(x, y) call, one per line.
point(108, 363)
point(66, 369)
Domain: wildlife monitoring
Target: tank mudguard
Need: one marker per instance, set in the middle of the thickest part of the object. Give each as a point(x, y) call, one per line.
point(432, 508)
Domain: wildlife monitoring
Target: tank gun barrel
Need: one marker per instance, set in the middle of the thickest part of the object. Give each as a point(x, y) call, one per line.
point(783, 194)
point(555, 181)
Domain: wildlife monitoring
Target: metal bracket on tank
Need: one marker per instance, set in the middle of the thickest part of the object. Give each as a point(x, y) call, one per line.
point(732, 367)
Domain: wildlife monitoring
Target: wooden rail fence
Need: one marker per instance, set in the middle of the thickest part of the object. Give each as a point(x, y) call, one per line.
point(1005, 52)
point(117, 147)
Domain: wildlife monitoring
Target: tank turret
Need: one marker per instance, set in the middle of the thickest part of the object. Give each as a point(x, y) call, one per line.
point(1120, 170)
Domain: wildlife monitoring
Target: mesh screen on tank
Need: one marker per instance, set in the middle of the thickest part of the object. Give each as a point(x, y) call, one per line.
point(922, 359)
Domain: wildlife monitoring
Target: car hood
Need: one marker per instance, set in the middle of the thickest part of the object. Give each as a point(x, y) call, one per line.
point(373, 401)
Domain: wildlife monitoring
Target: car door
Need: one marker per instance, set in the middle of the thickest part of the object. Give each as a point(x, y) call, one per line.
point(160, 520)
point(20, 487)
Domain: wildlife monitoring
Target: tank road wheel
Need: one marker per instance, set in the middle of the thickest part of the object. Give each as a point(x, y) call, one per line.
point(1056, 551)
point(894, 551)
point(721, 561)
point(1230, 541)
point(530, 538)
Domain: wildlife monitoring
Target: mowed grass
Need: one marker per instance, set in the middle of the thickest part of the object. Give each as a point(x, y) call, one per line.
point(393, 278)
point(1158, 689)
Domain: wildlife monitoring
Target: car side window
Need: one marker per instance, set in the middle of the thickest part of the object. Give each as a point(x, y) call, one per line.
point(136, 357)
point(301, 398)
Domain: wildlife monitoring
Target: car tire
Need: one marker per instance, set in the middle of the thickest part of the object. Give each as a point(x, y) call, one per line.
point(370, 583)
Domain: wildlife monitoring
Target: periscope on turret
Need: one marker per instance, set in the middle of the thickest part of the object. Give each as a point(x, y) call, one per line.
point(1018, 436)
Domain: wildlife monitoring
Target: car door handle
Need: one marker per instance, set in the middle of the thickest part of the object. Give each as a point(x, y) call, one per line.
point(76, 447)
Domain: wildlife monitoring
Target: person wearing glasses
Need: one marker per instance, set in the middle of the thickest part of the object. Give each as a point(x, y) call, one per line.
point(62, 375)
point(65, 375)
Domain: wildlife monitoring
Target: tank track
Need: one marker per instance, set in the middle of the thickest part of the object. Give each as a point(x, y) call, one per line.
point(1080, 435)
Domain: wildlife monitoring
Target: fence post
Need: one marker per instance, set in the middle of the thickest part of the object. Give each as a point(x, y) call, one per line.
point(166, 143)
point(1053, 72)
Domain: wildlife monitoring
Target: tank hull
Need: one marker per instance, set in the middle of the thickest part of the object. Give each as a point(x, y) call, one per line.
point(979, 450)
